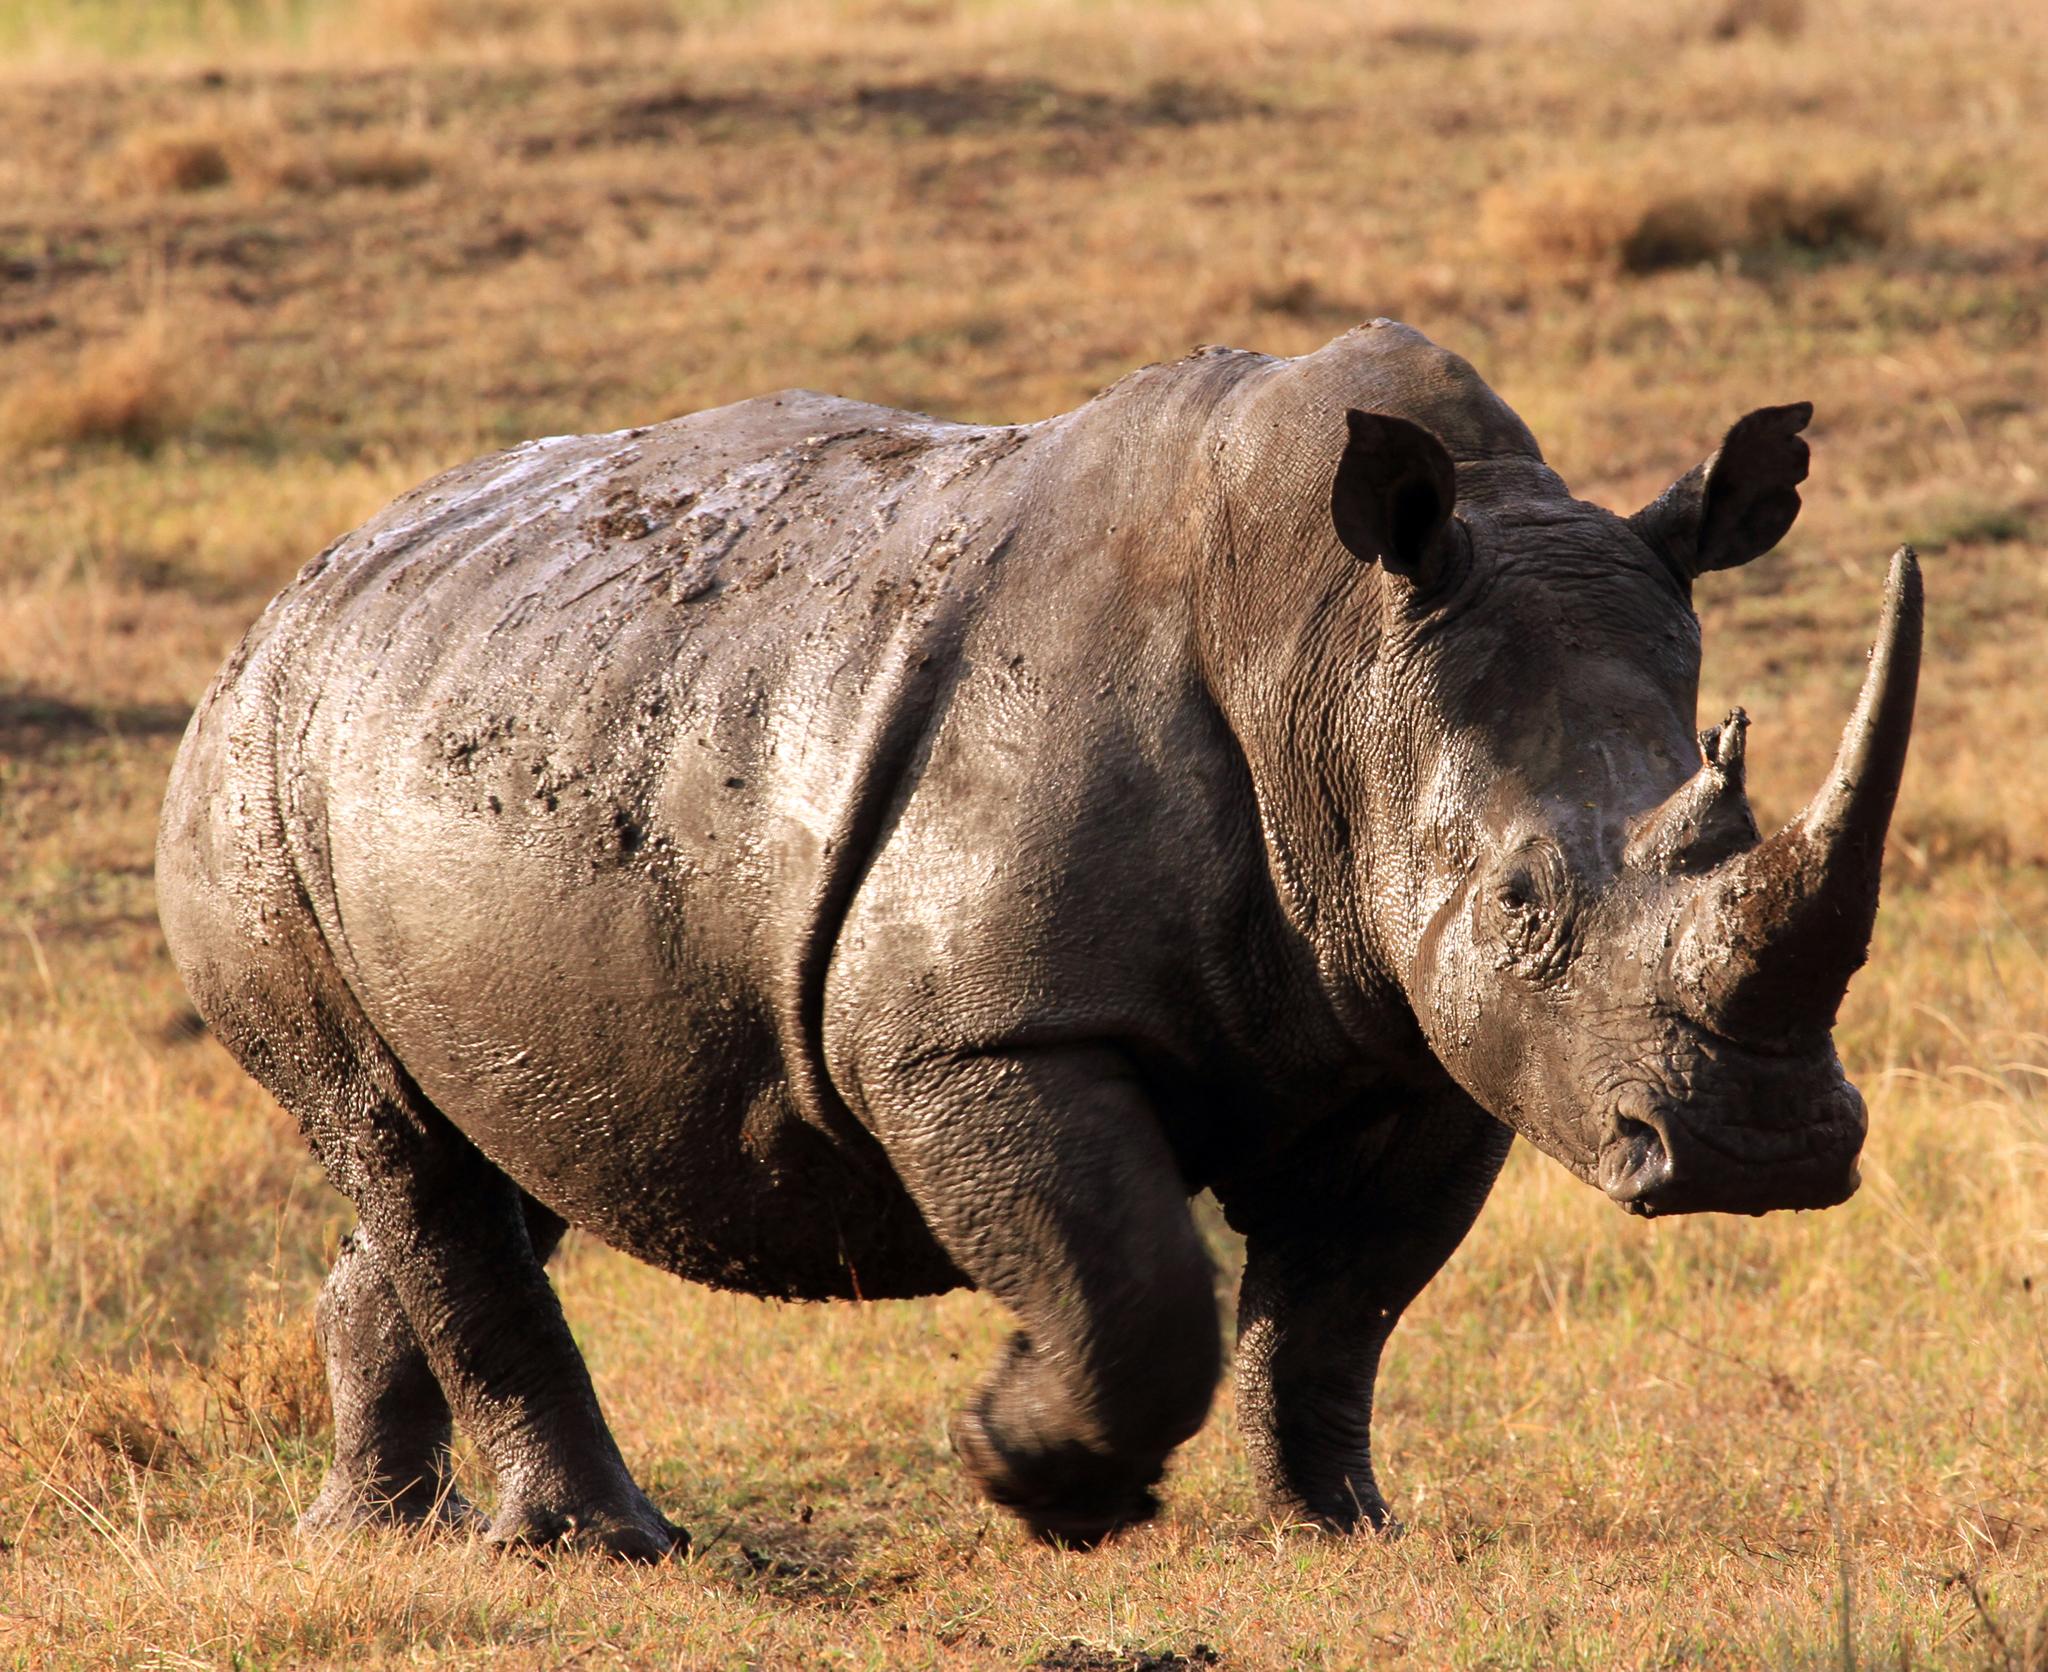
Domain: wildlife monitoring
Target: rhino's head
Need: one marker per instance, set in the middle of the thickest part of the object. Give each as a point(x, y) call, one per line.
point(1564, 878)
point(1609, 956)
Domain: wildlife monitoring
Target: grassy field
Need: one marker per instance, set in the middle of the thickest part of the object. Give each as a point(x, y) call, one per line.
point(263, 263)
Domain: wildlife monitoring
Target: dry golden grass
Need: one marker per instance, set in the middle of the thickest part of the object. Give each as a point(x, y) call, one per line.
point(261, 158)
point(132, 391)
point(1801, 1441)
point(1586, 221)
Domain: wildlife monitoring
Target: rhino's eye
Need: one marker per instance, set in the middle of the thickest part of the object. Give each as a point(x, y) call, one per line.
point(1522, 910)
point(1531, 912)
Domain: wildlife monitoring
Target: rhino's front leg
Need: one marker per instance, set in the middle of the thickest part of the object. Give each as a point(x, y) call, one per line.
point(1047, 1179)
point(1330, 1265)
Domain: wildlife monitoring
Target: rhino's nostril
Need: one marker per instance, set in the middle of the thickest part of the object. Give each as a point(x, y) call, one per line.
point(1630, 1130)
point(1641, 1143)
point(1634, 1162)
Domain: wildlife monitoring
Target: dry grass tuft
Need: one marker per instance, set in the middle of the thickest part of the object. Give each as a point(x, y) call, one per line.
point(266, 1377)
point(1780, 19)
point(1300, 296)
point(134, 392)
point(1821, 217)
point(377, 163)
point(262, 158)
point(160, 160)
point(1588, 222)
point(1446, 39)
point(132, 1415)
point(385, 165)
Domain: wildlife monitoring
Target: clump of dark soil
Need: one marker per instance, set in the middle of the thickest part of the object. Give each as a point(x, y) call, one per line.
point(1076, 1656)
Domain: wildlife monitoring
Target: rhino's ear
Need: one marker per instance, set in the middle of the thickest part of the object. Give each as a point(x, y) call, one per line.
point(1392, 497)
point(1738, 504)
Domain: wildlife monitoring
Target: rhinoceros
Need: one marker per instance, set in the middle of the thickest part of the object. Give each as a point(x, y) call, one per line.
point(825, 851)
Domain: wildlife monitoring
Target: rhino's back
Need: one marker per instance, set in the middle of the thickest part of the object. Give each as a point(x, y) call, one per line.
point(562, 561)
point(653, 652)
point(567, 744)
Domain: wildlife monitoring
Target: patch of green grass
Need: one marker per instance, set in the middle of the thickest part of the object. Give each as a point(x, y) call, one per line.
point(141, 28)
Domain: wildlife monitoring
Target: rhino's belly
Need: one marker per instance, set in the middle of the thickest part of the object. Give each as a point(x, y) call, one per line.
point(701, 1165)
point(726, 1186)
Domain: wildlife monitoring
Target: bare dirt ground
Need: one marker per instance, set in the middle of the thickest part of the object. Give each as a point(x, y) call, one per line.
point(264, 265)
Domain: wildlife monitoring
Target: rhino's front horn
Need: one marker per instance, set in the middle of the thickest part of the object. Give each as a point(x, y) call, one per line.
point(1765, 951)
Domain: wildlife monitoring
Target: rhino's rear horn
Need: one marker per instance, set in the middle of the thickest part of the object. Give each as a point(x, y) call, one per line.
point(1766, 949)
point(1393, 492)
point(1707, 820)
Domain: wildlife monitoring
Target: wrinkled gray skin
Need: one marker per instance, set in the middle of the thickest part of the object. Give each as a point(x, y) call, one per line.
point(824, 851)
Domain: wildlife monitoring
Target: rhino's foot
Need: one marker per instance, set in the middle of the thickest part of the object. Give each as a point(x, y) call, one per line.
point(1084, 1527)
point(633, 1531)
point(1364, 1515)
point(1065, 1495)
point(346, 1503)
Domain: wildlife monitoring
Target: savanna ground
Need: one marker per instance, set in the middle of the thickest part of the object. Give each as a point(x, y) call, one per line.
point(262, 266)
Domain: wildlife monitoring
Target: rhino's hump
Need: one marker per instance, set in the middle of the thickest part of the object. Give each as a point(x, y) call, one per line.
point(1389, 367)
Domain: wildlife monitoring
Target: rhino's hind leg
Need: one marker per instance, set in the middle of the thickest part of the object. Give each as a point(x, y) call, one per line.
point(1077, 1220)
point(446, 1235)
point(468, 1274)
point(391, 1423)
point(445, 1277)
point(392, 1427)
point(1332, 1259)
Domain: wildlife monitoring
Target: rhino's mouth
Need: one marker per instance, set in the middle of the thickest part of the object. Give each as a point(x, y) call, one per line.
point(1791, 1141)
